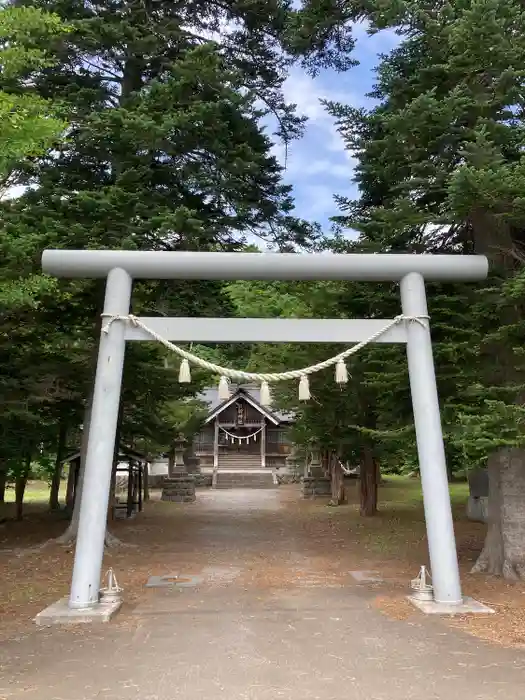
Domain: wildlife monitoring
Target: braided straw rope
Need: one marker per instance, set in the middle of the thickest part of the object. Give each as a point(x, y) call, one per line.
point(257, 376)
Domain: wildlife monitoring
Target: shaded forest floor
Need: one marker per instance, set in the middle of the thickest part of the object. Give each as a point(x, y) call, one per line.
point(331, 542)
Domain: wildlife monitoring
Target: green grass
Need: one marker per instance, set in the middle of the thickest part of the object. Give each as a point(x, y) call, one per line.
point(398, 490)
point(401, 490)
point(36, 492)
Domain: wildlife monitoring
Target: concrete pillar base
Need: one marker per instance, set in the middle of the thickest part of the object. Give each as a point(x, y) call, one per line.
point(469, 605)
point(60, 613)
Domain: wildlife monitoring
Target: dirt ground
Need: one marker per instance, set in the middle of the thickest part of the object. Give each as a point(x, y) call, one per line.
point(336, 540)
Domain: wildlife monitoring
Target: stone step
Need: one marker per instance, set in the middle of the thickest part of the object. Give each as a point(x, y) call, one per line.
point(237, 458)
point(241, 459)
point(257, 480)
point(241, 462)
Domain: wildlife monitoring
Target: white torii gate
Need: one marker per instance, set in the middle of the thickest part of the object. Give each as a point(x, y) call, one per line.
point(121, 267)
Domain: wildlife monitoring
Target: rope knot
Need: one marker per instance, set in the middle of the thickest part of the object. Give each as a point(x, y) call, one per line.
point(416, 319)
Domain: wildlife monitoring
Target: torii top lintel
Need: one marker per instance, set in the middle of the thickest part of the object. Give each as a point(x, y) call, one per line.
point(263, 266)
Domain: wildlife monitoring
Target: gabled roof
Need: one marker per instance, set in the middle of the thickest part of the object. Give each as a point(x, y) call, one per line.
point(250, 395)
point(123, 452)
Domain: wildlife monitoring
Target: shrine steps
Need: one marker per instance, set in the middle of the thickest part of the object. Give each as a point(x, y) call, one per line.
point(238, 460)
point(250, 479)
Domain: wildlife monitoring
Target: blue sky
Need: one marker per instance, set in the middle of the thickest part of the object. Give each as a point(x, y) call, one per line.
point(317, 165)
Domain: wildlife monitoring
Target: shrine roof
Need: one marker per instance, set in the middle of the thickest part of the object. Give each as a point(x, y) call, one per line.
point(251, 393)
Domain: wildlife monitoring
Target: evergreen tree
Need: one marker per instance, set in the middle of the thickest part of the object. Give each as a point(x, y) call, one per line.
point(30, 125)
point(29, 122)
point(164, 151)
point(440, 168)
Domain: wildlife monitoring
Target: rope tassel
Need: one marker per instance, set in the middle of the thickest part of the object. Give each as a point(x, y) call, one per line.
point(184, 372)
point(304, 388)
point(266, 397)
point(224, 389)
point(341, 373)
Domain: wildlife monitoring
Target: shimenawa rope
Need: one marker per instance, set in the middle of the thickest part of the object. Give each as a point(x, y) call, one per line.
point(265, 378)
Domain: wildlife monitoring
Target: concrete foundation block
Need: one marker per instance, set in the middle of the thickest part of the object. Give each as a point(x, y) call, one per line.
point(468, 607)
point(60, 613)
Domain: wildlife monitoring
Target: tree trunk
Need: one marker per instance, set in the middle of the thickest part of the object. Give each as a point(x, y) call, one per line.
point(325, 462)
point(135, 488)
point(20, 488)
point(368, 482)
point(72, 481)
point(54, 491)
point(70, 534)
point(337, 482)
point(503, 553)
point(504, 550)
point(112, 498)
point(3, 482)
point(112, 490)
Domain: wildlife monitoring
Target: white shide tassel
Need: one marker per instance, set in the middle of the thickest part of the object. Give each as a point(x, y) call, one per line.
point(224, 389)
point(184, 372)
point(266, 397)
point(304, 388)
point(341, 373)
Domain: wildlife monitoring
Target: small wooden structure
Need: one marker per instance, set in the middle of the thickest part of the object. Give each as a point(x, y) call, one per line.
point(241, 433)
point(134, 471)
point(131, 465)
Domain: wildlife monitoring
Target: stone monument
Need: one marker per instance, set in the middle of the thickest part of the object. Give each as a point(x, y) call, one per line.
point(478, 502)
point(179, 486)
point(316, 483)
point(191, 461)
point(193, 467)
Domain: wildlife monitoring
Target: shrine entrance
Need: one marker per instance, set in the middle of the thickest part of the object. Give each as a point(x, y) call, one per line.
point(241, 440)
point(412, 327)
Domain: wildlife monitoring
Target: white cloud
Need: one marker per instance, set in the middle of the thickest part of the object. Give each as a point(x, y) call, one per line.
point(303, 91)
point(307, 92)
point(325, 166)
point(318, 165)
point(12, 192)
point(316, 201)
point(381, 42)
